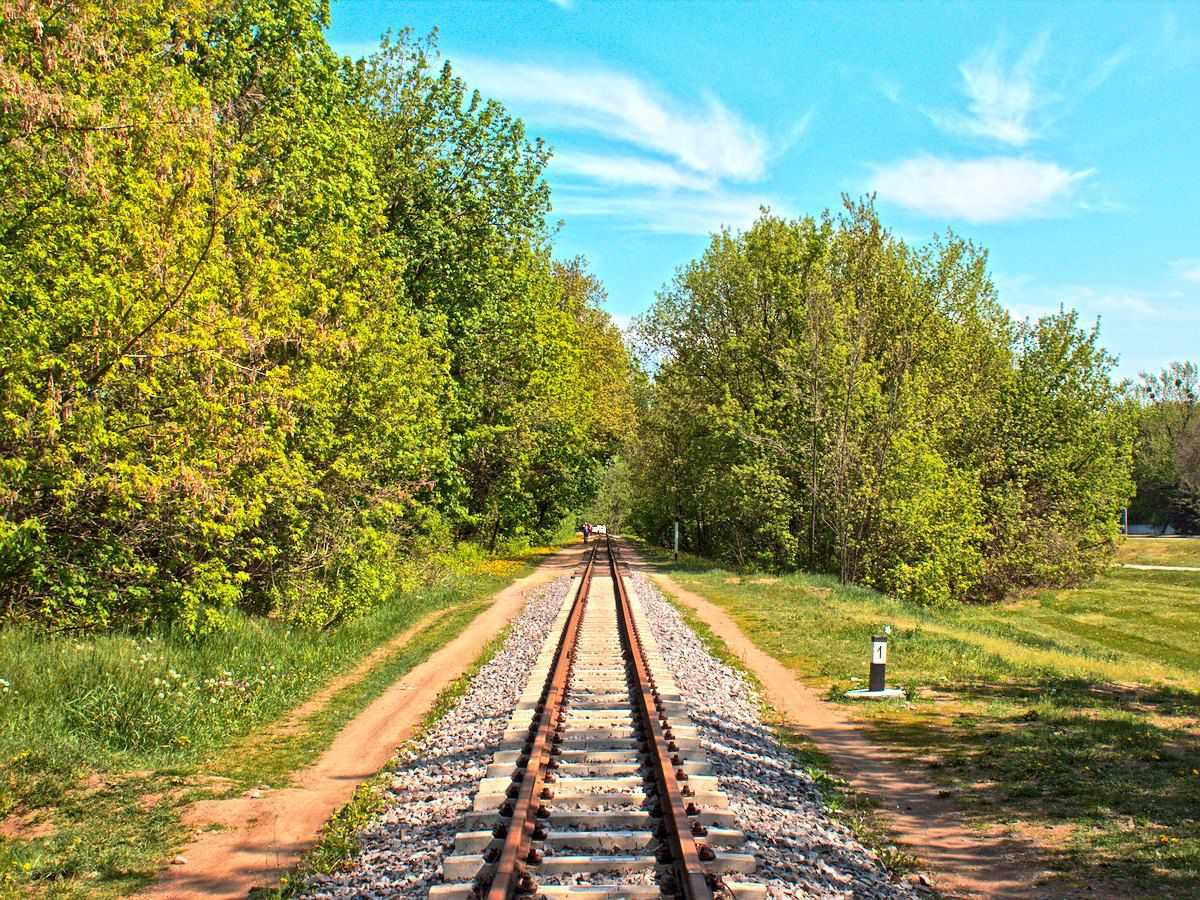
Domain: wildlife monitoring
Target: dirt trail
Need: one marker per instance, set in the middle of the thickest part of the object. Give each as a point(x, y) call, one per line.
point(264, 836)
point(964, 862)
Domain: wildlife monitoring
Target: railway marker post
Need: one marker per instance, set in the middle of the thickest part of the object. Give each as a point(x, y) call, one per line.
point(677, 539)
point(877, 688)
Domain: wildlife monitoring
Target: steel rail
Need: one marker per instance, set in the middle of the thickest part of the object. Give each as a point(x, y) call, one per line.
point(685, 854)
point(512, 873)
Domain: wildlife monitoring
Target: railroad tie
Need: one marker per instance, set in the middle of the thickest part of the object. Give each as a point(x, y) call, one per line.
point(607, 787)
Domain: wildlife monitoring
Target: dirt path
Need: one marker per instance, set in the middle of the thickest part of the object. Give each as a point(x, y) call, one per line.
point(964, 862)
point(261, 837)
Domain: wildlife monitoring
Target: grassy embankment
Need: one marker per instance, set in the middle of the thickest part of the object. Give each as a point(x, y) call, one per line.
point(105, 737)
point(1072, 716)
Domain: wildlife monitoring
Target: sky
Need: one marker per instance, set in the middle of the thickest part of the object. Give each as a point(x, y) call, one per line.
point(1065, 139)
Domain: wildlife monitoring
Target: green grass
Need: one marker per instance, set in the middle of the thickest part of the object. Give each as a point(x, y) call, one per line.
point(103, 737)
point(1160, 551)
point(1071, 716)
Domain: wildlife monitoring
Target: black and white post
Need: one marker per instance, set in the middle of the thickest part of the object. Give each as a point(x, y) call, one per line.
point(877, 688)
point(878, 680)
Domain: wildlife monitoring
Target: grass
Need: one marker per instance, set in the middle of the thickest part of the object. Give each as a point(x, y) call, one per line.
point(1160, 551)
point(104, 737)
point(340, 839)
point(1072, 716)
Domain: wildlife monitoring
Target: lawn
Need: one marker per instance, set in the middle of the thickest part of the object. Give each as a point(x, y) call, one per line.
point(104, 737)
point(1071, 716)
point(1160, 551)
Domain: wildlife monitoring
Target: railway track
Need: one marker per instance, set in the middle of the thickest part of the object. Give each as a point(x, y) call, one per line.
point(599, 787)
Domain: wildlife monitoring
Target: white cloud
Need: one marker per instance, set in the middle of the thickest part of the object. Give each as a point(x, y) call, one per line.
point(628, 170)
point(1187, 269)
point(673, 212)
point(563, 4)
point(993, 189)
point(1001, 99)
point(633, 154)
point(710, 139)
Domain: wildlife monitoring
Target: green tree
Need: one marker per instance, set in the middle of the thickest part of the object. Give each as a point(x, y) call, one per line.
point(271, 321)
point(828, 396)
point(1167, 452)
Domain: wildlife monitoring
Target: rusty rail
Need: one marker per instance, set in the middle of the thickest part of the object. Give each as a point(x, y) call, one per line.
point(512, 873)
point(690, 881)
point(512, 876)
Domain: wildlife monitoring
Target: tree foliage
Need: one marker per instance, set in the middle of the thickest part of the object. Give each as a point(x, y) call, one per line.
point(270, 320)
point(831, 397)
point(1167, 452)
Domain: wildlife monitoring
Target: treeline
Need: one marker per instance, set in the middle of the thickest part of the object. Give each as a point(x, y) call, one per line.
point(832, 398)
point(1167, 452)
point(271, 321)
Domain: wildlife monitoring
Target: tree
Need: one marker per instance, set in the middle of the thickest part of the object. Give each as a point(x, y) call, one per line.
point(272, 321)
point(828, 396)
point(1167, 452)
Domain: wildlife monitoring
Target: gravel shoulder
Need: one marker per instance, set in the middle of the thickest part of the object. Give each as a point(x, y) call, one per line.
point(434, 781)
point(262, 835)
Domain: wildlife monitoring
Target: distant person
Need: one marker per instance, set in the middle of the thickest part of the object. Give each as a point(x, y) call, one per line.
point(587, 532)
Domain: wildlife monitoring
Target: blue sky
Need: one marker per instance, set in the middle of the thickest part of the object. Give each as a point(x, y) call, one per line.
point(1063, 138)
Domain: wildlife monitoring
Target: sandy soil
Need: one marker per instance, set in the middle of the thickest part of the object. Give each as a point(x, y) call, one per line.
point(261, 837)
point(964, 862)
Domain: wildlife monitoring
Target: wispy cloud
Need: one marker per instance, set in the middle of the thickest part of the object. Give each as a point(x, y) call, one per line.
point(628, 151)
point(673, 212)
point(993, 189)
point(1187, 269)
point(1146, 327)
point(1176, 43)
point(707, 138)
point(628, 170)
point(888, 87)
point(563, 4)
point(1001, 98)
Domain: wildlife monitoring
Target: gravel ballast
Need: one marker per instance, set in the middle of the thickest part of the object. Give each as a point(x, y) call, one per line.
point(402, 851)
point(800, 851)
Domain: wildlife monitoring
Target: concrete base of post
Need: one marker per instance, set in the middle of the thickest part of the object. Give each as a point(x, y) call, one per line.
point(885, 694)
